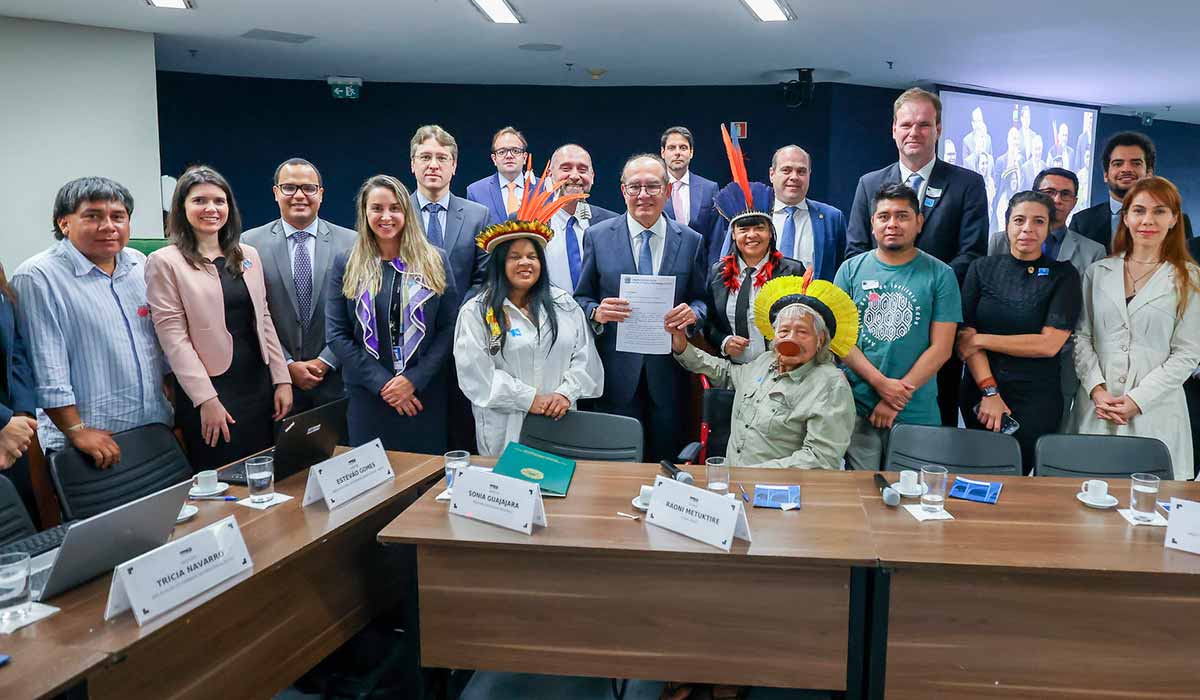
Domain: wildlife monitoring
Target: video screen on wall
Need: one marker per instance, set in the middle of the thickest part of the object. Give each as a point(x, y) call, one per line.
point(1009, 140)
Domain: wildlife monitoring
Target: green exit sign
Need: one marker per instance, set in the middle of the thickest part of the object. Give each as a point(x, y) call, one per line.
point(345, 92)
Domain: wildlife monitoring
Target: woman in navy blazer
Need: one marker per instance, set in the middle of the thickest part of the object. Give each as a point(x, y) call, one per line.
point(394, 326)
point(17, 426)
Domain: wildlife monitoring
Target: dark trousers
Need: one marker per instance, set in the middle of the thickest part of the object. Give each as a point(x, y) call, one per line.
point(460, 434)
point(1037, 406)
point(662, 422)
point(18, 474)
point(1191, 389)
point(948, 379)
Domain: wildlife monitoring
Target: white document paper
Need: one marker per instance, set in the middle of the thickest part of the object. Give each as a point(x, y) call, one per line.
point(1183, 527)
point(650, 298)
point(697, 513)
point(340, 479)
point(182, 569)
point(500, 500)
point(276, 499)
point(36, 611)
point(1157, 521)
point(918, 511)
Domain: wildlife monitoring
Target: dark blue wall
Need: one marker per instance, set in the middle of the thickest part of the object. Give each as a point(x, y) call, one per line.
point(1178, 145)
point(245, 126)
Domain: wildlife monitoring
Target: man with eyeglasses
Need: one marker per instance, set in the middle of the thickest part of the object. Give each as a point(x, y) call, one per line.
point(296, 251)
point(651, 388)
point(503, 191)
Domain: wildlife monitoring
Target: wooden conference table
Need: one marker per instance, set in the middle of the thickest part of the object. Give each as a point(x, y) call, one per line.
point(596, 594)
point(318, 578)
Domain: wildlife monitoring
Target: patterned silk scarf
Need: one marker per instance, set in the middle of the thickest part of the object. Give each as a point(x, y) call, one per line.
point(408, 334)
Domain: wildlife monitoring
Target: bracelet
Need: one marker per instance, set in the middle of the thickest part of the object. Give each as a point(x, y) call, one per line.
point(986, 383)
point(75, 428)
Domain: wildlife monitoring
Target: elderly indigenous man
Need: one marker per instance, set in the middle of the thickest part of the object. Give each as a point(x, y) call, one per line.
point(792, 407)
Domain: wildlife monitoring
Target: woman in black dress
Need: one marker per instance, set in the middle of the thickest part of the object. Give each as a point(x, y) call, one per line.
point(390, 321)
point(1019, 308)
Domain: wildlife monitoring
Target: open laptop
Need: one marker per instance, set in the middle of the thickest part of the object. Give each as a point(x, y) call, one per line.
point(303, 440)
point(94, 546)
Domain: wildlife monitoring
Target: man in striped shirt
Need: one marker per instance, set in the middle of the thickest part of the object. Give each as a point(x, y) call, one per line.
point(82, 308)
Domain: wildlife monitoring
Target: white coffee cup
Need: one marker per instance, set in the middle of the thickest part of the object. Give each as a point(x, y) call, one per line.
point(205, 481)
point(1095, 490)
point(645, 493)
point(909, 480)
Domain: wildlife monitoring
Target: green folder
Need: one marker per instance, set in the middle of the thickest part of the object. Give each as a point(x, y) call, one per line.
point(551, 472)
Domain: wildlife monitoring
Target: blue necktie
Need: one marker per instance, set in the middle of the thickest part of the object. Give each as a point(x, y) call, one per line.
point(914, 183)
point(645, 259)
point(434, 229)
point(788, 241)
point(302, 275)
point(573, 259)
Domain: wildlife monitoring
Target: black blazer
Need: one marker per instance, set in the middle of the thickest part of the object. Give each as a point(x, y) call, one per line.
point(1095, 223)
point(719, 325)
point(956, 220)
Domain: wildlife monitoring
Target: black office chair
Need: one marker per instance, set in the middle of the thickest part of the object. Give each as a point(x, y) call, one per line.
point(151, 460)
point(584, 435)
point(1101, 456)
point(961, 451)
point(15, 523)
point(716, 415)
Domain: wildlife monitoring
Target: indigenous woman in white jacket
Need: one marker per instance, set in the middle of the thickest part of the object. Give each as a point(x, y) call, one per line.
point(1138, 337)
point(522, 346)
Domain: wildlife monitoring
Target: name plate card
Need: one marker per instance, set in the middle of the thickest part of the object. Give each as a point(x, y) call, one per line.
point(1183, 527)
point(339, 480)
point(178, 571)
point(500, 500)
point(697, 513)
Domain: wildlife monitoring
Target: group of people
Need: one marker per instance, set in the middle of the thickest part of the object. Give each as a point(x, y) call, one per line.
point(446, 320)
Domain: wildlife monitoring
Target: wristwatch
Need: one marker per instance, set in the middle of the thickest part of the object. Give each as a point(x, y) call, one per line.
point(991, 391)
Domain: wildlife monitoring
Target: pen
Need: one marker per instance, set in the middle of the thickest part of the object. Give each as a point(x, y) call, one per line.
point(213, 498)
point(627, 515)
point(745, 496)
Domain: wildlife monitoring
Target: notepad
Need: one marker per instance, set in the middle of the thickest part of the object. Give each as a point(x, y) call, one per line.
point(772, 496)
point(972, 490)
point(550, 472)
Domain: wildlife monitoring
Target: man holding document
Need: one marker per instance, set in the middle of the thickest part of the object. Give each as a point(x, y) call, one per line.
point(642, 274)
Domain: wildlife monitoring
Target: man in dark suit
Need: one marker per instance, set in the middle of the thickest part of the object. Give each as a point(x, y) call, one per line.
point(571, 169)
point(691, 200)
point(1128, 157)
point(651, 388)
point(296, 250)
point(503, 191)
point(953, 204)
point(806, 230)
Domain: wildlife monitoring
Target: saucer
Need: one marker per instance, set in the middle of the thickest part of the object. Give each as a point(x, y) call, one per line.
point(1109, 503)
point(915, 493)
point(195, 492)
point(186, 513)
point(638, 503)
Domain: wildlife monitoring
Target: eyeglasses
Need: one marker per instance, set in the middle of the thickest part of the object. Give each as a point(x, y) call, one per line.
point(1061, 194)
point(502, 152)
point(289, 188)
point(653, 189)
point(426, 158)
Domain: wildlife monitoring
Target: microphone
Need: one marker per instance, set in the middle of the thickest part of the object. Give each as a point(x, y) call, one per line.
point(676, 473)
point(889, 494)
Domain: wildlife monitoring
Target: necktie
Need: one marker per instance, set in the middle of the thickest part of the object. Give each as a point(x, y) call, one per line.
point(677, 200)
point(512, 204)
point(433, 230)
point(741, 309)
point(645, 259)
point(303, 277)
point(914, 183)
point(788, 241)
point(573, 258)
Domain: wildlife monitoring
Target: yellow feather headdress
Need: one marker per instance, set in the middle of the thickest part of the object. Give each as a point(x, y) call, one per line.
point(836, 308)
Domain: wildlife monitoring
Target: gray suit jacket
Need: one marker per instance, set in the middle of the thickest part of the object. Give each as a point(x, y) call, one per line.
point(1076, 249)
point(298, 343)
point(464, 220)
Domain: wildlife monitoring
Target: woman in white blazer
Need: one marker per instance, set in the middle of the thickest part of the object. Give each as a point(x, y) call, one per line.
point(1138, 337)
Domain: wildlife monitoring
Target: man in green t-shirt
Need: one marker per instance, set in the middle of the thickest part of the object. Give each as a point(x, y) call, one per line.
point(909, 306)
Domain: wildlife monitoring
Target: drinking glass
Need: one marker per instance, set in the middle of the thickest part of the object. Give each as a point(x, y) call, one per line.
point(260, 477)
point(1143, 494)
point(14, 585)
point(458, 459)
point(718, 475)
point(934, 478)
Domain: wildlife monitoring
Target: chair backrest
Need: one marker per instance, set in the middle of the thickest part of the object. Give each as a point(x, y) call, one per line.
point(1112, 456)
point(717, 414)
point(583, 435)
point(14, 520)
point(960, 450)
point(151, 460)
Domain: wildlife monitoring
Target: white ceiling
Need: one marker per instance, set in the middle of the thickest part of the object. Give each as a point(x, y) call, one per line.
point(1123, 56)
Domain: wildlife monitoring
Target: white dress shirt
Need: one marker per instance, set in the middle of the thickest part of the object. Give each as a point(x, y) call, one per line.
point(557, 265)
point(444, 201)
point(657, 241)
point(758, 344)
point(925, 171)
point(683, 214)
point(310, 242)
point(802, 246)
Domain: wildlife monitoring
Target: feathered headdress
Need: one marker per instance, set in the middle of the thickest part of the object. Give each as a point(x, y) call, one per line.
point(532, 219)
point(836, 308)
point(741, 201)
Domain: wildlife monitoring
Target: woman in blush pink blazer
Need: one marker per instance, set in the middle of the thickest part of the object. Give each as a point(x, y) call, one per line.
point(208, 301)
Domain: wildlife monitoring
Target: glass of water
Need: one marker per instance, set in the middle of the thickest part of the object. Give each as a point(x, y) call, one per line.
point(717, 474)
point(934, 478)
point(260, 477)
point(1143, 494)
point(14, 586)
point(458, 459)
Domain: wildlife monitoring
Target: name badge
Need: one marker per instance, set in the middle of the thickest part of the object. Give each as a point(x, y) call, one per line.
point(500, 500)
point(870, 284)
point(1043, 272)
point(929, 201)
point(697, 513)
point(933, 192)
point(343, 478)
point(397, 359)
point(1183, 526)
point(178, 571)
